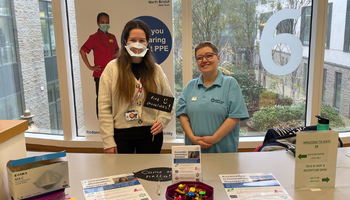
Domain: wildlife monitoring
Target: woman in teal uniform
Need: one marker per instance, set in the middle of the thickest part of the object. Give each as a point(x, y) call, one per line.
point(211, 107)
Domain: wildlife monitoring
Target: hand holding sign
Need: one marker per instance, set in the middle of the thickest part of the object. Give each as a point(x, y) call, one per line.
point(158, 102)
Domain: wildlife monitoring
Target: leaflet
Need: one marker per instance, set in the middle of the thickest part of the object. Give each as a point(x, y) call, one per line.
point(186, 165)
point(254, 186)
point(118, 187)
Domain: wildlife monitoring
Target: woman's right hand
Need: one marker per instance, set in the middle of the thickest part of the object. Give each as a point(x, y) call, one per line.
point(198, 141)
point(112, 150)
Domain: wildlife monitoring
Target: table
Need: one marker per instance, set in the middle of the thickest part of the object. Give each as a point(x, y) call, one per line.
point(279, 163)
point(12, 146)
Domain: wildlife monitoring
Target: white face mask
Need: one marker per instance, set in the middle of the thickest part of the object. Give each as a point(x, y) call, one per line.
point(136, 49)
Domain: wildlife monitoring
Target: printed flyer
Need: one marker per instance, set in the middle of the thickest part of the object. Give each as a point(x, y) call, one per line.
point(123, 186)
point(253, 186)
point(187, 164)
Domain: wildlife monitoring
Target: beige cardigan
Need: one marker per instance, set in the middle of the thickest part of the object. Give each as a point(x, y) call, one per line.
point(112, 111)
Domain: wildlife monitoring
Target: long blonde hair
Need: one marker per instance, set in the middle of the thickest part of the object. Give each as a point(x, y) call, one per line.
point(125, 87)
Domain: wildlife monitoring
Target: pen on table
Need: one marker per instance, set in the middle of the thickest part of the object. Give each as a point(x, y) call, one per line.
point(158, 187)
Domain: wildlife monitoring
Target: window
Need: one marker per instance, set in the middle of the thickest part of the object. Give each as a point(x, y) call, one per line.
point(305, 25)
point(237, 33)
point(10, 88)
point(347, 29)
point(337, 89)
point(49, 47)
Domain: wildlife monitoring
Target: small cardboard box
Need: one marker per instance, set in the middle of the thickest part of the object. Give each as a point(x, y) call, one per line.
point(37, 175)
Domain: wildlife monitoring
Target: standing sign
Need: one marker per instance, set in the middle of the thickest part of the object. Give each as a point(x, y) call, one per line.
point(158, 16)
point(315, 159)
point(186, 161)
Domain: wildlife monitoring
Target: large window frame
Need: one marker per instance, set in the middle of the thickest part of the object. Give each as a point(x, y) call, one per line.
point(316, 59)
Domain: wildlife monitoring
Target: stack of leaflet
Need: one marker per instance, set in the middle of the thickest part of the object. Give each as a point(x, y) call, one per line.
point(123, 186)
point(253, 186)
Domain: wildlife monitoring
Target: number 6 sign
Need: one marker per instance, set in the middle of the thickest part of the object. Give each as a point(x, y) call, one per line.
point(268, 41)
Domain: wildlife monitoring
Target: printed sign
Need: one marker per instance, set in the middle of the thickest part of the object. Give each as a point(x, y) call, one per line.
point(159, 102)
point(155, 174)
point(315, 159)
point(186, 163)
point(161, 40)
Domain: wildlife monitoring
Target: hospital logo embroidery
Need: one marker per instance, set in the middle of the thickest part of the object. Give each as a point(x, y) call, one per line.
point(217, 101)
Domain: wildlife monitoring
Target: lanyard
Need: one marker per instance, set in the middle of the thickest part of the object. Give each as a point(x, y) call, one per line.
point(138, 94)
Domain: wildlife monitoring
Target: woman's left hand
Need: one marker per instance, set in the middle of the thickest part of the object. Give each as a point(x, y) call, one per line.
point(209, 139)
point(156, 128)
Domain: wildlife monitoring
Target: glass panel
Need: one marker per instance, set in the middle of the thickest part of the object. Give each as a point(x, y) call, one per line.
point(59, 116)
point(43, 9)
point(347, 28)
point(5, 8)
point(49, 68)
point(7, 49)
point(329, 25)
point(235, 27)
point(177, 16)
point(335, 100)
point(14, 106)
point(53, 118)
point(54, 67)
point(2, 83)
point(337, 90)
point(52, 37)
point(49, 10)
point(305, 25)
point(3, 110)
point(51, 93)
point(46, 37)
point(57, 92)
point(11, 84)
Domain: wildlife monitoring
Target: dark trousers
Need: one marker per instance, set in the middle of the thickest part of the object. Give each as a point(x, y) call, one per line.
point(138, 139)
point(97, 84)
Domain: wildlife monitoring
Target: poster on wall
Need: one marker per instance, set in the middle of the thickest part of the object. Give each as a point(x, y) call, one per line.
point(158, 16)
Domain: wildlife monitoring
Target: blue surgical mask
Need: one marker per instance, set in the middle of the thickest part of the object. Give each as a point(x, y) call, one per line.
point(104, 27)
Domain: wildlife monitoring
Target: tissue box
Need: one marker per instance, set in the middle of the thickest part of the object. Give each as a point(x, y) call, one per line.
point(33, 176)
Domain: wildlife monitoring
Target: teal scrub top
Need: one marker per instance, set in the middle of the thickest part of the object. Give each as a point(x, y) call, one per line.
point(208, 108)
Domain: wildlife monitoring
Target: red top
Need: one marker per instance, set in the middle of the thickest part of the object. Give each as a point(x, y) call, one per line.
point(105, 47)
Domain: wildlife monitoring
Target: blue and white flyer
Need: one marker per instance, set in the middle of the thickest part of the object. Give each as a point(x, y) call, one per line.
point(187, 164)
point(123, 186)
point(254, 186)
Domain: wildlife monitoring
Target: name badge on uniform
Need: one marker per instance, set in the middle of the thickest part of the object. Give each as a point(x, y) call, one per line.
point(131, 115)
point(111, 40)
point(194, 98)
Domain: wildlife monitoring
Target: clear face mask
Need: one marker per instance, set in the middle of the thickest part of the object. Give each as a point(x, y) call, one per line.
point(136, 49)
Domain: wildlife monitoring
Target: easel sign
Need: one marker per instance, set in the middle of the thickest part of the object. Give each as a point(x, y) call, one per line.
point(159, 102)
point(316, 159)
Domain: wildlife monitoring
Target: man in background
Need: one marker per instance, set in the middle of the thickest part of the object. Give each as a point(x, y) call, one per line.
point(105, 48)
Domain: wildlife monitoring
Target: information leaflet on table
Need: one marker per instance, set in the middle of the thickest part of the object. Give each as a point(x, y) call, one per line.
point(253, 186)
point(118, 187)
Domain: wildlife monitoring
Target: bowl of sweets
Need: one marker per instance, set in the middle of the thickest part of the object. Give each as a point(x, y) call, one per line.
point(188, 190)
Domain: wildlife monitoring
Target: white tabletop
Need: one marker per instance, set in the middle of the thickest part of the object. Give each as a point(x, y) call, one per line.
point(279, 163)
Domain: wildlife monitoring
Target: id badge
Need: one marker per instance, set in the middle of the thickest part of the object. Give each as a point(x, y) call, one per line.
point(131, 115)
